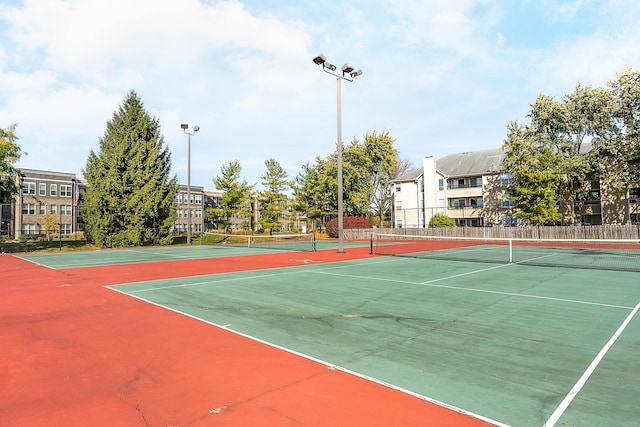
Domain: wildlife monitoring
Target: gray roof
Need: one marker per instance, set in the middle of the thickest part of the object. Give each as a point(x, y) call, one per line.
point(471, 163)
point(410, 176)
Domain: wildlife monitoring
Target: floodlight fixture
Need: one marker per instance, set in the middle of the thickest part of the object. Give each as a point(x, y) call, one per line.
point(356, 74)
point(329, 66)
point(184, 126)
point(320, 59)
point(196, 128)
point(346, 69)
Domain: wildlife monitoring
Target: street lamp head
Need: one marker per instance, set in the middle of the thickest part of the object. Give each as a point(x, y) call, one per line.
point(346, 68)
point(320, 59)
point(196, 128)
point(184, 126)
point(329, 67)
point(356, 74)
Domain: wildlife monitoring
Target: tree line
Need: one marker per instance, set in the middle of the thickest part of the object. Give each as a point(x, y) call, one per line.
point(368, 166)
point(593, 133)
point(131, 196)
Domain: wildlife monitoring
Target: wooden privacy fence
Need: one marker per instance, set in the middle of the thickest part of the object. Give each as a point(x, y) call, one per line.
point(593, 232)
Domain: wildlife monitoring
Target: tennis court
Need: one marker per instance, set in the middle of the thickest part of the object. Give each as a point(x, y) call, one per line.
point(504, 342)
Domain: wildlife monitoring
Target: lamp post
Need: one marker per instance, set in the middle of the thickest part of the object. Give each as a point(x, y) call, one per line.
point(348, 74)
point(185, 128)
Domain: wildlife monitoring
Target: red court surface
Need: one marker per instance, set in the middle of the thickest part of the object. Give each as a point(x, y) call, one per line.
point(75, 353)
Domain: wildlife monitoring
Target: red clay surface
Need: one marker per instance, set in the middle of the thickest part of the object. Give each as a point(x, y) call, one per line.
point(77, 354)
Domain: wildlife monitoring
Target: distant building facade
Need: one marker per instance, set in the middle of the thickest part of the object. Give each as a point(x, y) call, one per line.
point(44, 196)
point(469, 188)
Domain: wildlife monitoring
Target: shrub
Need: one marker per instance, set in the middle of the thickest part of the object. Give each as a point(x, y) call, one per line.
point(348, 222)
point(441, 221)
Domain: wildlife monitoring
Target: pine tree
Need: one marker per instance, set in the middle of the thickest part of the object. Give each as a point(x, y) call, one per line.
point(130, 198)
point(273, 199)
point(236, 199)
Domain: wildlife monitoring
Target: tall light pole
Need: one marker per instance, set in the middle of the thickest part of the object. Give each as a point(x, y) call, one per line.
point(185, 128)
point(348, 74)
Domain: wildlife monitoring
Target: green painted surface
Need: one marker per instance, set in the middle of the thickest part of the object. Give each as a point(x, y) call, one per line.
point(506, 342)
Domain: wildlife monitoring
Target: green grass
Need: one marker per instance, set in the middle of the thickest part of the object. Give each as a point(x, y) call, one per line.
point(43, 245)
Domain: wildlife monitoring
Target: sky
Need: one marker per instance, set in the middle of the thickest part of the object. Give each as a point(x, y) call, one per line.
point(440, 76)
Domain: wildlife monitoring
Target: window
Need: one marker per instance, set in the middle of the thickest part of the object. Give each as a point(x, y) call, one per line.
point(65, 210)
point(457, 183)
point(399, 223)
point(441, 184)
point(53, 190)
point(399, 205)
point(65, 228)
point(510, 221)
point(29, 208)
point(475, 182)
point(42, 189)
point(29, 188)
point(458, 203)
point(28, 229)
point(477, 203)
point(398, 187)
point(506, 203)
point(65, 190)
point(198, 199)
point(42, 209)
point(592, 197)
point(506, 179)
point(53, 209)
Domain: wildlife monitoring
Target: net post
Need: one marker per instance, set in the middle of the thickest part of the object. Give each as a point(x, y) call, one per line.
point(510, 251)
point(313, 242)
point(371, 244)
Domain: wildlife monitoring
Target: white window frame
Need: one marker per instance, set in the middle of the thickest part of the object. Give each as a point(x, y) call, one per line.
point(66, 190)
point(29, 188)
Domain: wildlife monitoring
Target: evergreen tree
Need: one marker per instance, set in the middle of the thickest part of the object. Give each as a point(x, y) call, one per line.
point(273, 199)
point(236, 198)
point(130, 198)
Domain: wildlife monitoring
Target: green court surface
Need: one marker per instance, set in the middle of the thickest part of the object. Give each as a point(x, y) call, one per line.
point(58, 260)
point(507, 342)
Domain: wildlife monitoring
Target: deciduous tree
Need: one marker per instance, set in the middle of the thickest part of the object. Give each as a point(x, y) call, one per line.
point(10, 153)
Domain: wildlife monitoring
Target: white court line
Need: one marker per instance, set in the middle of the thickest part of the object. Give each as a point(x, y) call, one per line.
point(553, 419)
point(431, 284)
point(209, 282)
point(322, 362)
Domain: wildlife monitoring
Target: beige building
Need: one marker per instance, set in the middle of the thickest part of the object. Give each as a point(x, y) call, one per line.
point(469, 188)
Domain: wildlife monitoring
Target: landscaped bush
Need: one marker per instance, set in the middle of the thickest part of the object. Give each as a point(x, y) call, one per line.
point(347, 223)
point(441, 221)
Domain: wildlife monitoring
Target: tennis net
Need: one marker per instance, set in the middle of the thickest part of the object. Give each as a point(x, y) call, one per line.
point(618, 255)
point(283, 242)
